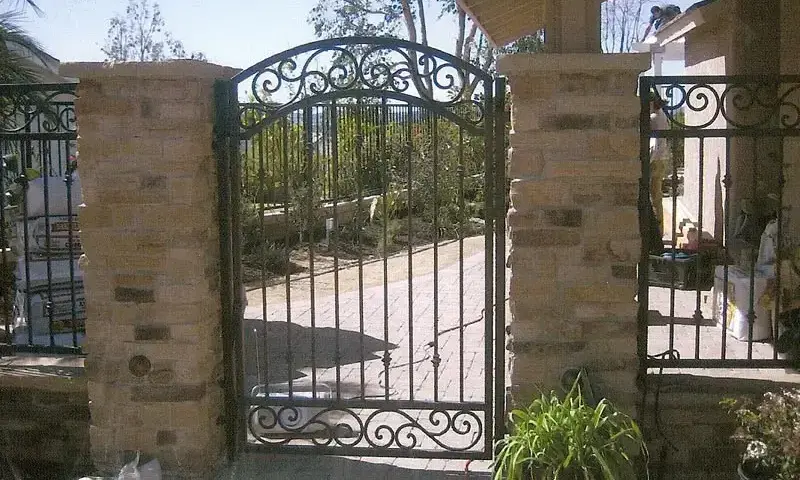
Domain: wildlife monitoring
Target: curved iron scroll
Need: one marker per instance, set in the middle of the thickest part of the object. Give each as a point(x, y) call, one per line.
point(738, 102)
point(39, 111)
point(367, 67)
point(382, 429)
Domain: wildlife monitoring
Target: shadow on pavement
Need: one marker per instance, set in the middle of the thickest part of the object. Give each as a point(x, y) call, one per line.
point(266, 357)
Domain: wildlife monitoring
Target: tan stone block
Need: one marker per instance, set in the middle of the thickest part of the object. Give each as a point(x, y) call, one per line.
point(192, 191)
point(98, 150)
point(549, 237)
point(139, 280)
point(107, 106)
point(151, 260)
point(622, 251)
point(606, 194)
point(601, 293)
point(95, 216)
point(571, 274)
point(185, 293)
point(577, 122)
point(585, 84)
point(544, 328)
point(178, 313)
point(595, 310)
point(531, 259)
point(527, 87)
point(616, 219)
point(186, 254)
point(622, 169)
point(171, 90)
point(182, 272)
point(190, 149)
point(534, 194)
point(533, 298)
point(187, 333)
point(525, 162)
point(135, 146)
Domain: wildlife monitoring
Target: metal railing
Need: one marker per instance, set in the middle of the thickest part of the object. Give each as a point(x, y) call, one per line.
point(42, 303)
point(718, 280)
point(282, 145)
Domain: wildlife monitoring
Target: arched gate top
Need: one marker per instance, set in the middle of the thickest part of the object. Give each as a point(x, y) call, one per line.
point(361, 68)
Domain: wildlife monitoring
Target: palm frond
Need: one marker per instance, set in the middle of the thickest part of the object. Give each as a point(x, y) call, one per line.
point(25, 3)
point(16, 47)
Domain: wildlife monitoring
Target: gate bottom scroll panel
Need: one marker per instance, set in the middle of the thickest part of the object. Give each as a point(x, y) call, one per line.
point(383, 429)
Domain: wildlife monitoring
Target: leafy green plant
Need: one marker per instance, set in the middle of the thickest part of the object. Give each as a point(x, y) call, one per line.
point(566, 439)
point(771, 432)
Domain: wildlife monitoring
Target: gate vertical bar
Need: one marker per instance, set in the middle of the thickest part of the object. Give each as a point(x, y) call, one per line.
point(334, 182)
point(308, 142)
point(237, 300)
point(6, 300)
point(410, 119)
point(500, 252)
point(436, 358)
point(384, 159)
point(698, 312)
point(645, 87)
point(261, 138)
point(223, 137)
point(488, 331)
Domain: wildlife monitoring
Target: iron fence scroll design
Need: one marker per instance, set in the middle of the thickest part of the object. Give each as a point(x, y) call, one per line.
point(353, 429)
point(761, 103)
point(363, 67)
point(45, 109)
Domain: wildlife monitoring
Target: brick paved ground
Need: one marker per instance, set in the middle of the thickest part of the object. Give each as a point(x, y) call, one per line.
point(384, 329)
point(684, 333)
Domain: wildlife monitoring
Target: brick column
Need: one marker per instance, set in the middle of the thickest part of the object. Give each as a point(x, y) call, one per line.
point(150, 232)
point(574, 220)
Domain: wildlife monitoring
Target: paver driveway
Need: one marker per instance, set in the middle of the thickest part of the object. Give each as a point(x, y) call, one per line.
point(373, 322)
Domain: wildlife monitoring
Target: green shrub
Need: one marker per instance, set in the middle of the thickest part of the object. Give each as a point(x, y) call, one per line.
point(567, 439)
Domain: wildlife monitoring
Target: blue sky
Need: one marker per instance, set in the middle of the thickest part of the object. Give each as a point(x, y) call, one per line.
point(236, 33)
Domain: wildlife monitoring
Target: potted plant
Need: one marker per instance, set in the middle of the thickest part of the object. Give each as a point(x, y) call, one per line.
point(771, 433)
point(568, 439)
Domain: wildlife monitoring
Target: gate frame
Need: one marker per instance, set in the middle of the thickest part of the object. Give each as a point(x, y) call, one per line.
point(227, 135)
point(716, 106)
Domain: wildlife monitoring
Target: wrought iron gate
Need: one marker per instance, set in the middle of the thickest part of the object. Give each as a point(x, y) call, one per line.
point(362, 200)
point(718, 280)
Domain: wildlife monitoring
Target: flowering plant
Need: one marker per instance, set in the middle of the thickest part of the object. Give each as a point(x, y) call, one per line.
point(771, 432)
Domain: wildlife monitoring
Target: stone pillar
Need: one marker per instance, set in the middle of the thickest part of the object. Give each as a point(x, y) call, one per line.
point(150, 233)
point(572, 26)
point(574, 225)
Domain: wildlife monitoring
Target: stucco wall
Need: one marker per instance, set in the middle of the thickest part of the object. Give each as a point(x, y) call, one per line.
point(741, 38)
point(707, 53)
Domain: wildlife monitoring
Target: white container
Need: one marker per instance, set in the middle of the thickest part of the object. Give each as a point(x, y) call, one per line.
point(38, 318)
point(35, 294)
point(56, 196)
point(738, 297)
point(59, 272)
point(60, 239)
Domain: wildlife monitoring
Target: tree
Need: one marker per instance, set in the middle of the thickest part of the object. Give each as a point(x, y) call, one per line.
point(621, 22)
point(16, 46)
point(139, 36)
point(408, 19)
